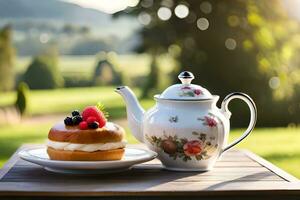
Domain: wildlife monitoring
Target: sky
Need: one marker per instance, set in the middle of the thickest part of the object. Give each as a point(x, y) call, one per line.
point(105, 5)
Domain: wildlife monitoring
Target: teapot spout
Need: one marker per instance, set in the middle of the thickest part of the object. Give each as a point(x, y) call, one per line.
point(134, 110)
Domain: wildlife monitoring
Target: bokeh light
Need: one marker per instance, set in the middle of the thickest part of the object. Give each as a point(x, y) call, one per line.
point(167, 3)
point(181, 11)
point(274, 82)
point(233, 21)
point(147, 3)
point(144, 18)
point(174, 50)
point(191, 18)
point(202, 24)
point(164, 13)
point(189, 43)
point(230, 44)
point(247, 45)
point(44, 38)
point(206, 7)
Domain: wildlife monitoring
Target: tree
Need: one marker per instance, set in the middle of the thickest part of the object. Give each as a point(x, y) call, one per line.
point(152, 79)
point(7, 54)
point(22, 97)
point(43, 72)
point(230, 46)
point(106, 74)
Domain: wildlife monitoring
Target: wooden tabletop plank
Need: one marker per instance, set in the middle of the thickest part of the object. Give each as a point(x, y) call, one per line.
point(271, 167)
point(237, 172)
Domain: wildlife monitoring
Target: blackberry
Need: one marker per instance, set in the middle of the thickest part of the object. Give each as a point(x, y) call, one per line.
point(93, 125)
point(75, 113)
point(76, 119)
point(68, 121)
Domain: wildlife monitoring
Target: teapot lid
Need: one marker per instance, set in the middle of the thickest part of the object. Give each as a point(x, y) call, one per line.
point(186, 90)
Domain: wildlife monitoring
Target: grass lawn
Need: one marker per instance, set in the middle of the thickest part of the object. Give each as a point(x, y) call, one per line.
point(278, 145)
point(63, 101)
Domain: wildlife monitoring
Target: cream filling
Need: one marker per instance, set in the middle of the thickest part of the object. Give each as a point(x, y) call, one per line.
point(85, 147)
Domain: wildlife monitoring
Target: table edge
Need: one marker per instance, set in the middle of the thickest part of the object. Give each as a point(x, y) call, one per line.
point(269, 192)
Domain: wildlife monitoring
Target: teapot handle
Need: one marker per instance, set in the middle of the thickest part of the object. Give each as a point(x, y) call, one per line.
point(227, 113)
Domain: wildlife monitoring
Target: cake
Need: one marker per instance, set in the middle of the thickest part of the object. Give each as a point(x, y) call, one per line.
point(86, 137)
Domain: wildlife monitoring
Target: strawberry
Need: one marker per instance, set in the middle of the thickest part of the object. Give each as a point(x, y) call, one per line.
point(93, 111)
point(91, 119)
point(83, 125)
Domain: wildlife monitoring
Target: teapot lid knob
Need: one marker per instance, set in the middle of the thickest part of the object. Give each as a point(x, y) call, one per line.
point(186, 77)
point(186, 90)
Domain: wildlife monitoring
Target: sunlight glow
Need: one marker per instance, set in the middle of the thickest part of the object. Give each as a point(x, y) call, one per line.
point(105, 5)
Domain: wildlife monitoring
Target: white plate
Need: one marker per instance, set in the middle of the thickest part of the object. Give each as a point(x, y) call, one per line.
point(131, 157)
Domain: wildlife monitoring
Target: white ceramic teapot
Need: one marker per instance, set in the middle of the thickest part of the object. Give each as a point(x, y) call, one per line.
point(185, 127)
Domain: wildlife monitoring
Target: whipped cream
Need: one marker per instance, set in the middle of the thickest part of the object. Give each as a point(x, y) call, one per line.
point(85, 147)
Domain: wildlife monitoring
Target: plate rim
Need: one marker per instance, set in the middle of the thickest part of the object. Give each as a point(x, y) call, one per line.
point(23, 154)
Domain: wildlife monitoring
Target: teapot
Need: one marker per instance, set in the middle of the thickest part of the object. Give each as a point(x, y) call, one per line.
point(185, 127)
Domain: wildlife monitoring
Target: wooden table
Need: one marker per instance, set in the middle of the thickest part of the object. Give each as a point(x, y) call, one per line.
point(238, 175)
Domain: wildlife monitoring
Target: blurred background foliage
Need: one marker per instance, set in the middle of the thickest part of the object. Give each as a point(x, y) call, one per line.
point(7, 54)
point(249, 46)
point(43, 72)
point(229, 45)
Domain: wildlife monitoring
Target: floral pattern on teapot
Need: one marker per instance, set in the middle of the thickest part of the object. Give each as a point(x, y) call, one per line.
point(200, 148)
point(187, 91)
point(209, 121)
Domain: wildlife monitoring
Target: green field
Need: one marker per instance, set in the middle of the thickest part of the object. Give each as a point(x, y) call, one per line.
point(130, 65)
point(278, 145)
point(62, 101)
